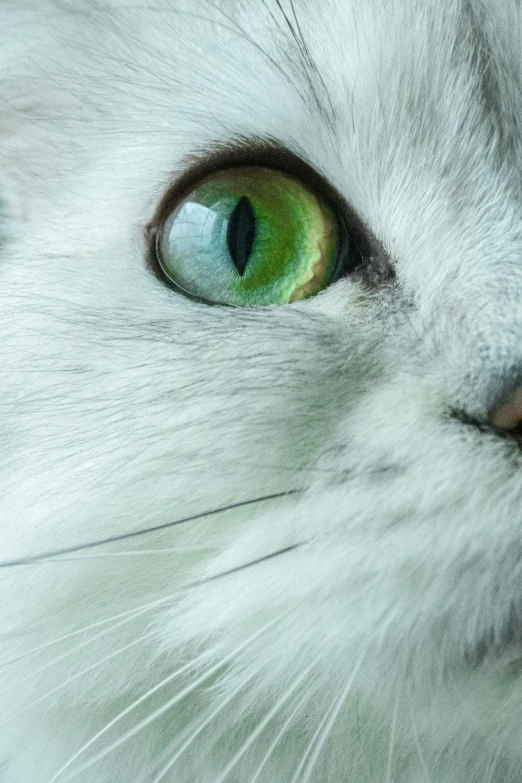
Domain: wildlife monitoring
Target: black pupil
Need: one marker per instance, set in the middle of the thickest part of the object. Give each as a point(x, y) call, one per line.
point(241, 233)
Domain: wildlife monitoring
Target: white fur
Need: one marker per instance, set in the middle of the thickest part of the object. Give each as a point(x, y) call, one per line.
point(126, 406)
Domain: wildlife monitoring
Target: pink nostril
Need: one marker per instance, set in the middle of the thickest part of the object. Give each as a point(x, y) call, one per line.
point(508, 416)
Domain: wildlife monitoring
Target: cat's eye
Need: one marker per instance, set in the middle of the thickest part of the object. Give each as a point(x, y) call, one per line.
point(252, 235)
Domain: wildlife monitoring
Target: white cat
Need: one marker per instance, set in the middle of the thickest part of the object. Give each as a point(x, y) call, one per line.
point(359, 618)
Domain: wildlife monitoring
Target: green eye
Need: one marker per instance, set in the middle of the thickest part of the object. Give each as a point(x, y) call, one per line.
point(251, 236)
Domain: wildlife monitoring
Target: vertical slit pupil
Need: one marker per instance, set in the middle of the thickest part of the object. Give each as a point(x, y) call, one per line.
point(241, 233)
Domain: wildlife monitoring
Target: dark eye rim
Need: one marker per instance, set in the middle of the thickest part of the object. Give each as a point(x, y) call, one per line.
point(356, 241)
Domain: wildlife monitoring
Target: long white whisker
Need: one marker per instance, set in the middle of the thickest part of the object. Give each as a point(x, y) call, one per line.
point(417, 741)
point(490, 771)
point(170, 703)
point(76, 676)
point(198, 731)
point(324, 728)
point(392, 739)
point(280, 735)
point(129, 613)
point(137, 613)
point(126, 711)
point(259, 728)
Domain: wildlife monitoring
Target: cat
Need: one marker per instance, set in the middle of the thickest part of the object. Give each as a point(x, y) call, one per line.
point(270, 536)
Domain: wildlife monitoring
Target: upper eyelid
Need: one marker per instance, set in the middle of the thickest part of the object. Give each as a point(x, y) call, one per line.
point(253, 152)
point(241, 152)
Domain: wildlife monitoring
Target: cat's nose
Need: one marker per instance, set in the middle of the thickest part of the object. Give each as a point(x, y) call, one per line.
point(508, 415)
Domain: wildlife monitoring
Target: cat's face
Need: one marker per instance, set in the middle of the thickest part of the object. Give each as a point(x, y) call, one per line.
point(368, 626)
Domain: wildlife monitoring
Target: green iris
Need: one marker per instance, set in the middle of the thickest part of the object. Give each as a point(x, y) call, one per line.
point(250, 236)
